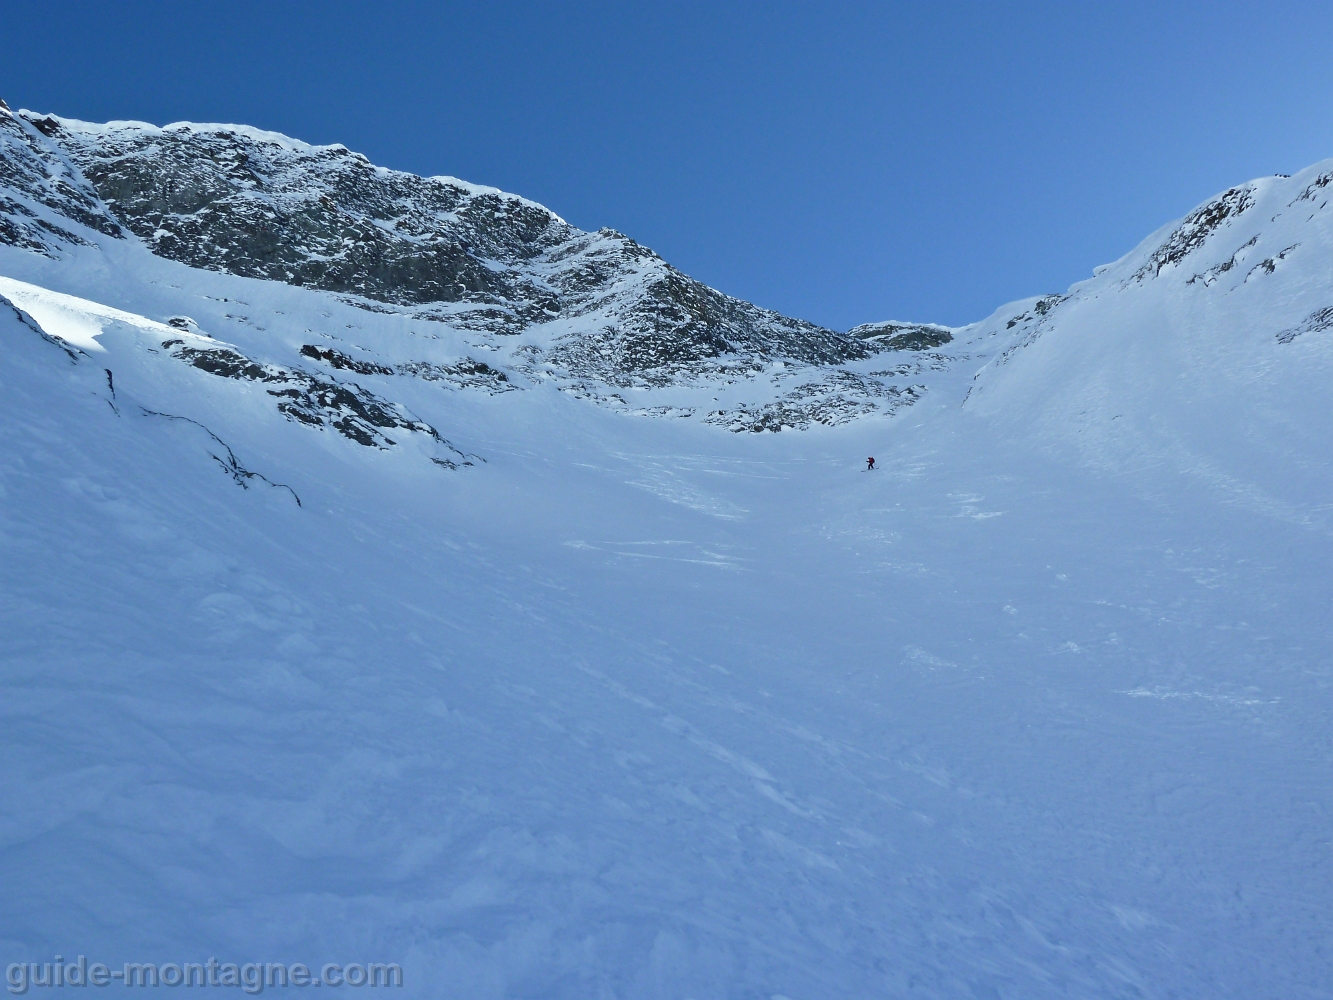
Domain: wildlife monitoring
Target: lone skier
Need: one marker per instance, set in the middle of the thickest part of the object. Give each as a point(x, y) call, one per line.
point(870, 465)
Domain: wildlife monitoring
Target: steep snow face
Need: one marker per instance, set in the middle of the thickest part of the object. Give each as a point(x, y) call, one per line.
point(338, 634)
point(1205, 352)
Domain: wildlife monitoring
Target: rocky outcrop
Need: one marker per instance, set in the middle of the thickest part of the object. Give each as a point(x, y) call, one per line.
point(606, 312)
point(261, 205)
point(41, 193)
point(353, 412)
point(467, 373)
point(893, 336)
point(1195, 229)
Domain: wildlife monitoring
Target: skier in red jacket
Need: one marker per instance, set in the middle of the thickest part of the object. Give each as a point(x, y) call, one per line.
point(870, 465)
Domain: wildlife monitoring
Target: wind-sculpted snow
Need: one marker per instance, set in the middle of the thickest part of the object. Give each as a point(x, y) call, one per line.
point(299, 396)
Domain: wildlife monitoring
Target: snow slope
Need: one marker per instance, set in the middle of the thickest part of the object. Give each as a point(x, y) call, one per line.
point(615, 706)
point(1204, 353)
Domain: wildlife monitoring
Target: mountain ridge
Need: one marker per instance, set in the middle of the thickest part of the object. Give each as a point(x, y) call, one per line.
point(622, 705)
point(528, 298)
point(158, 181)
point(603, 313)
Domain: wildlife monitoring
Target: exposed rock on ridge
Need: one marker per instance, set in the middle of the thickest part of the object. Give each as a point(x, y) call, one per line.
point(895, 336)
point(41, 193)
point(260, 205)
point(599, 312)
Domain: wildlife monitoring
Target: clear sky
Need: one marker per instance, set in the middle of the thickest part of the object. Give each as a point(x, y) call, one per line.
point(841, 162)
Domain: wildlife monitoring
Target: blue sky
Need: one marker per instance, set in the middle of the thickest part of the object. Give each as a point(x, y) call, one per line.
point(838, 162)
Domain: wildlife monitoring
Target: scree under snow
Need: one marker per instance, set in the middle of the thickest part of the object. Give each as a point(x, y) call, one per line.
point(542, 698)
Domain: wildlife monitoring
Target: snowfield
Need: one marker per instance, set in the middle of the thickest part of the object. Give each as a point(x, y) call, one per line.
point(541, 694)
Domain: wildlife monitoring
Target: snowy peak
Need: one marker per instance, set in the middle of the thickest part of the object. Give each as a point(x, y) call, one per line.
point(1261, 213)
point(595, 312)
point(1195, 229)
point(260, 205)
point(1198, 352)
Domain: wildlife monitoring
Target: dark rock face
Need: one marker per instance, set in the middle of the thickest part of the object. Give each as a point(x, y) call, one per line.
point(263, 206)
point(354, 413)
point(1195, 228)
point(669, 322)
point(467, 373)
point(892, 336)
point(317, 217)
point(1039, 311)
point(340, 360)
point(610, 314)
point(1314, 191)
point(40, 190)
point(1316, 322)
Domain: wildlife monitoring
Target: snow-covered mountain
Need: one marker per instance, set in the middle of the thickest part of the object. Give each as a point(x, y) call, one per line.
point(382, 584)
point(596, 309)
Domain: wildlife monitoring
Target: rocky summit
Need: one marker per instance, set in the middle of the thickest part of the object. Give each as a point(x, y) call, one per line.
point(261, 205)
